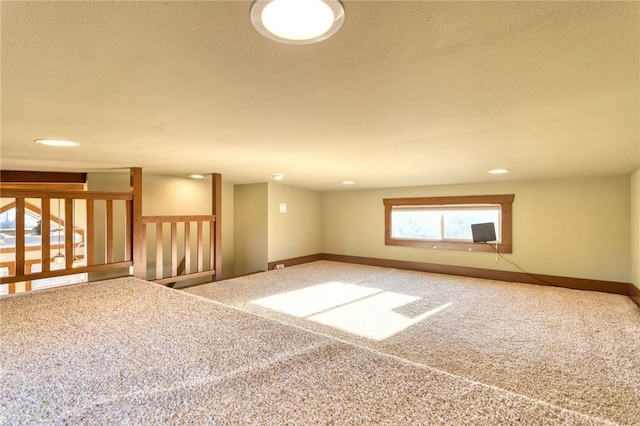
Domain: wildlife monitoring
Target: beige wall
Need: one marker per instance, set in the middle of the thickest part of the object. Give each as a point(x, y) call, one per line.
point(635, 229)
point(250, 228)
point(298, 231)
point(263, 234)
point(575, 228)
point(116, 181)
point(228, 218)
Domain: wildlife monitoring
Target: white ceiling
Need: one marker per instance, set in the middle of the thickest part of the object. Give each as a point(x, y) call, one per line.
point(406, 93)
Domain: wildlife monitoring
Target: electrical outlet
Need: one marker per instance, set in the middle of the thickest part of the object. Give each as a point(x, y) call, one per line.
point(280, 266)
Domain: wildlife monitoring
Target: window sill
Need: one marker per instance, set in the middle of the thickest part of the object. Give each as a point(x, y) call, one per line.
point(449, 245)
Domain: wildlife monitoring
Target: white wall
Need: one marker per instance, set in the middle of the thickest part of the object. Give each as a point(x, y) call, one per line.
point(635, 229)
point(576, 228)
point(298, 232)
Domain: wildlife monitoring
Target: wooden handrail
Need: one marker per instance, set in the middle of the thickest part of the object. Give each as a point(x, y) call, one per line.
point(176, 219)
point(62, 272)
point(77, 195)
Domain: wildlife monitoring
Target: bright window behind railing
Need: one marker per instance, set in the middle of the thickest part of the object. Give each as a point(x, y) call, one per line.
point(32, 229)
point(51, 237)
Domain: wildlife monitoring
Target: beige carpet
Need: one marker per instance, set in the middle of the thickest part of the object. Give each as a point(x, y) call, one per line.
point(130, 352)
point(572, 349)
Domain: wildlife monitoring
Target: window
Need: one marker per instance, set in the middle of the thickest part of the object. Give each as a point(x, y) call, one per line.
point(8, 227)
point(442, 223)
point(445, 222)
point(32, 229)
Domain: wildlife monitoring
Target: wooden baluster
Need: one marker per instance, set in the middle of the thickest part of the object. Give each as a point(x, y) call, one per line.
point(20, 246)
point(187, 248)
point(68, 233)
point(109, 231)
point(174, 249)
point(199, 247)
point(128, 230)
point(142, 272)
point(212, 244)
point(45, 233)
point(159, 259)
point(90, 234)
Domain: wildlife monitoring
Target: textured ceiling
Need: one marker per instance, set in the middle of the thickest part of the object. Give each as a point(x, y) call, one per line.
point(406, 93)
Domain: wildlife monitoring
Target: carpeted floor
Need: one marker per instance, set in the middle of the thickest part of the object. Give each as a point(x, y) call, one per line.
point(574, 350)
point(130, 352)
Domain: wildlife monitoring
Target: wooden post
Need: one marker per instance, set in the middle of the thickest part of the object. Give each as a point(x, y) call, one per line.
point(159, 253)
point(45, 232)
point(90, 234)
point(138, 237)
point(174, 249)
point(20, 244)
point(109, 231)
point(216, 184)
point(187, 248)
point(69, 246)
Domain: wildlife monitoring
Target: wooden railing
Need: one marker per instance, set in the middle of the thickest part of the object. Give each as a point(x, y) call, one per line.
point(110, 260)
point(181, 246)
point(125, 250)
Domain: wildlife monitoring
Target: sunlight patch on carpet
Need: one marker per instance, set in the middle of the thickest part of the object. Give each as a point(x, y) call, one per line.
point(364, 311)
point(315, 299)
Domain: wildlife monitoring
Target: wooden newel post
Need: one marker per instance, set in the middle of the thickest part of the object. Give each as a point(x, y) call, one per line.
point(216, 185)
point(138, 237)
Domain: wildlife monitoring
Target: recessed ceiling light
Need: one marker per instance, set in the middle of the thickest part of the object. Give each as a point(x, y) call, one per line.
point(297, 21)
point(56, 142)
point(348, 182)
point(277, 176)
point(498, 171)
point(196, 176)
